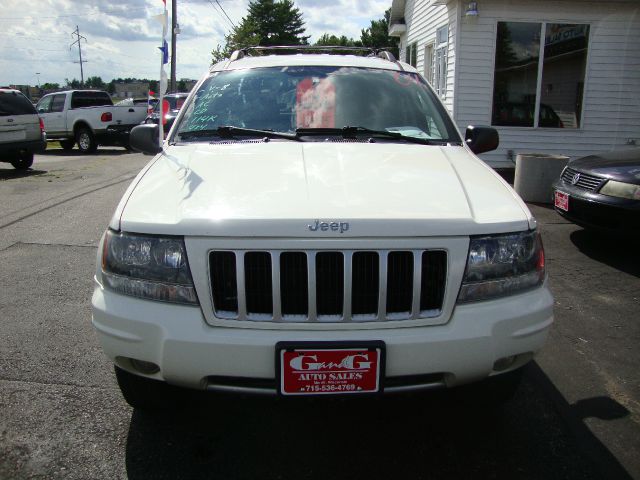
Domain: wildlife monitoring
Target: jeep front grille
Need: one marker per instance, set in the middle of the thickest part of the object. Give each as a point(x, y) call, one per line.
point(327, 286)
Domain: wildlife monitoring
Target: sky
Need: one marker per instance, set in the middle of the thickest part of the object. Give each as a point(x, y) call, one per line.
point(122, 36)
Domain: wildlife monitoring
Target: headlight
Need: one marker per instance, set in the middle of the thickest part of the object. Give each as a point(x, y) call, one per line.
point(500, 265)
point(621, 190)
point(147, 266)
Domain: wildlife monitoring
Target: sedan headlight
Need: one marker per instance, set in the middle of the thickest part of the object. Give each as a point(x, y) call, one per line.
point(147, 266)
point(500, 265)
point(621, 190)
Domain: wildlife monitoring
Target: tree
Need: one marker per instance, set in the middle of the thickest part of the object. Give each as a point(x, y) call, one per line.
point(50, 86)
point(95, 82)
point(377, 35)
point(73, 84)
point(342, 40)
point(268, 22)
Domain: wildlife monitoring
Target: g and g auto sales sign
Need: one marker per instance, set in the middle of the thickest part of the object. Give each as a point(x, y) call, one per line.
point(314, 371)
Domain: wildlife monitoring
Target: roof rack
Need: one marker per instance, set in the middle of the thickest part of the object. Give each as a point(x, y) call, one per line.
point(373, 51)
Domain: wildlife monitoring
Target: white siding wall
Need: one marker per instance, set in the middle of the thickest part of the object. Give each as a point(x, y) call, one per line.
point(423, 18)
point(612, 84)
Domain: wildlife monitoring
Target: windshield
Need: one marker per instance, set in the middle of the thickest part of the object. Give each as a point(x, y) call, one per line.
point(284, 99)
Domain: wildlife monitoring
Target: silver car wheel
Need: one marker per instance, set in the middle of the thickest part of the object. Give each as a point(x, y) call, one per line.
point(84, 141)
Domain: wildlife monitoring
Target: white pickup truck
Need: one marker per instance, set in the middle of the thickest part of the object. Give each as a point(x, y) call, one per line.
point(88, 118)
point(316, 225)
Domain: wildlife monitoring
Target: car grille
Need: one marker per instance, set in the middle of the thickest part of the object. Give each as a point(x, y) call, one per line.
point(581, 180)
point(327, 286)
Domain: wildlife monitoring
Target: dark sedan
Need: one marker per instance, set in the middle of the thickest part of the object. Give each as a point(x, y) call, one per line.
point(175, 101)
point(601, 191)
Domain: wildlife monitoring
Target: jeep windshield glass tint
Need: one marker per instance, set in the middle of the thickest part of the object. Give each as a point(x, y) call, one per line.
point(284, 99)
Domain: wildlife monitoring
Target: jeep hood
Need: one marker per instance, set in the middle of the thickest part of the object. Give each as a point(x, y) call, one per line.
point(278, 189)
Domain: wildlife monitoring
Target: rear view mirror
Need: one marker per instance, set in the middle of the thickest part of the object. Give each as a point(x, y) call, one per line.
point(145, 139)
point(481, 139)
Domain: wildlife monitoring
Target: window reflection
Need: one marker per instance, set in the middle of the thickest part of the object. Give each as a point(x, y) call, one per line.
point(516, 74)
point(516, 81)
point(565, 60)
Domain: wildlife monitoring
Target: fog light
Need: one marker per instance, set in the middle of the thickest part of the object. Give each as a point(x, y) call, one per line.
point(147, 368)
point(504, 363)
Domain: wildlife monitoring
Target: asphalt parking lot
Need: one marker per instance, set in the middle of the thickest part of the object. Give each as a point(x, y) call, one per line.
point(576, 415)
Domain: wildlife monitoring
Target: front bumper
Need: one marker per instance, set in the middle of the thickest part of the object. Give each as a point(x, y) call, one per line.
point(593, 210)
point(190, 353)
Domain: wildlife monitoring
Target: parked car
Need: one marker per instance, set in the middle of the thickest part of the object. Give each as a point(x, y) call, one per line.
point(128, 102)
point(88, 118)
point(175, 101)
point(602, 191)
point(21, 130)
point(521, 115)
point(316, 225)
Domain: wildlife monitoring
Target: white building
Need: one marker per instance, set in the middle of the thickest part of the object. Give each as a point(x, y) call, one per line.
point(552, 76)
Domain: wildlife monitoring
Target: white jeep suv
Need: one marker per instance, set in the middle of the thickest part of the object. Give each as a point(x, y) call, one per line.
point(315, 224)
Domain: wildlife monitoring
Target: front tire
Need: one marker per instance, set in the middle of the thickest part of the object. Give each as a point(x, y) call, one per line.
point(491, 393)
point(24, 161)
point(67, 144)
point(146, 394)
point(500, 389)
point(86, 141)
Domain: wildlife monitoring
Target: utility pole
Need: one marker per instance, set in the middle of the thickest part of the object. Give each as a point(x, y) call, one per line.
point(174, 31)
point(79, 37)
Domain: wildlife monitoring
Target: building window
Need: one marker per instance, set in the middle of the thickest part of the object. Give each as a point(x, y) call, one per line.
point(428, 62)
point(439, 68)
point(411, 54)
point(539, 84)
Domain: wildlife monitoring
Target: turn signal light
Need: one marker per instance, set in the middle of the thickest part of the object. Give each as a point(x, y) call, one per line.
point(106, 117)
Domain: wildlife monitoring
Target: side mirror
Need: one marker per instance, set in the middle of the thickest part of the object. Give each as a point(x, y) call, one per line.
point(481, 139)
point(41, 110)
point(145, 139)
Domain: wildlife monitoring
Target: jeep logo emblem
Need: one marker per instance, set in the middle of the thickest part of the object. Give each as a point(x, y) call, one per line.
point(326, 226)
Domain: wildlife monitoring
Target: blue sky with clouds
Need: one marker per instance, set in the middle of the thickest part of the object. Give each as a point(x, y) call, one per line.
point(35, 35)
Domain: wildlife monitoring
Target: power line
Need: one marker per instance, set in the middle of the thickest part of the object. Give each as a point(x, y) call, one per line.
point(216, 10)
point(225, 14)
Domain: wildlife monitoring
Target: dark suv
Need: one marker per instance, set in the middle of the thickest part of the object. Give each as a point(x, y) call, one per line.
point(21, 130)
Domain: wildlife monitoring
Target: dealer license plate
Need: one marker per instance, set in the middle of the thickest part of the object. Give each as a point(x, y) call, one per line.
point(561, 200)
point(330, 369)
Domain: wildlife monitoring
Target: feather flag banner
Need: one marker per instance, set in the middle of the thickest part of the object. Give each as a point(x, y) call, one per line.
point(163, 19)
point(165, 52)
point(163, 82)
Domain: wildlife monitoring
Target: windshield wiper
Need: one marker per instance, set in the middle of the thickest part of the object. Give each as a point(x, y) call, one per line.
point(229, 131)
point(352, 132)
